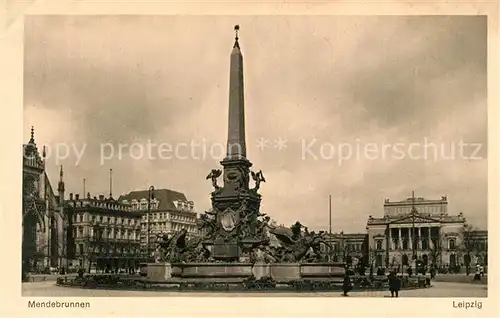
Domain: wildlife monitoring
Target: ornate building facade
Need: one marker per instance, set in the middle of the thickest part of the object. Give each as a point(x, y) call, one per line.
point(43, 220)
point(163, 211)
point(421, 230)
point(106, 234)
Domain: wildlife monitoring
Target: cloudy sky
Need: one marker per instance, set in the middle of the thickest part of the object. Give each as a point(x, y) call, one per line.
point(354, 101)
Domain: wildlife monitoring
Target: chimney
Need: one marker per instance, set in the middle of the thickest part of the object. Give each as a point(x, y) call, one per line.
point(71, 196)
point(101, 197)
point(77, 196)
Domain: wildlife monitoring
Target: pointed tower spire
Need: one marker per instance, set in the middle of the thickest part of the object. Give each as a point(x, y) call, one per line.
point(60, 187)
point(32, 139)
point(236, 144)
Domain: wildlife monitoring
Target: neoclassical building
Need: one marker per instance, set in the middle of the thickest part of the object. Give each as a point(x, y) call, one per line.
point(43, 220)
point(163, 211)
point(421, 229)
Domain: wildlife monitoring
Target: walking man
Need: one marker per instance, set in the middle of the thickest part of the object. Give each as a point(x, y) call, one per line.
point(347, 285)
point(394, 284)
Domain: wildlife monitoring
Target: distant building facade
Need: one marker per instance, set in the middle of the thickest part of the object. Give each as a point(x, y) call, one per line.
point(420, 229)
point(106, 234)
point(350, 248)
point(163, 211)
point(43, 216)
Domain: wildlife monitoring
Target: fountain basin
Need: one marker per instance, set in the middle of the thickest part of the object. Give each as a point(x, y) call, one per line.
point(283, 272)
point(212, 270)
point(159, 271)
point(322, 270)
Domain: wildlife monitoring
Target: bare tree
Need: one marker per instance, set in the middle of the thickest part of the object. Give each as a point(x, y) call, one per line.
point(436, 249)
point(468, 246)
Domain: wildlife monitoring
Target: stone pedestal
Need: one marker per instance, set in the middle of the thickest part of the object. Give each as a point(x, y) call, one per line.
point(261, 270)
point(226, 251)
point(159, 271)
point(285, 272)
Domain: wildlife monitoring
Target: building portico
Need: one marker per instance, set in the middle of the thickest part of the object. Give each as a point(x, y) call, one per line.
point(405, 233)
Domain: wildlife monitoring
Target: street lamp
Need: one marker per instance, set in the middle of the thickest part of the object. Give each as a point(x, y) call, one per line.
point(413, 234)
point(150, 197)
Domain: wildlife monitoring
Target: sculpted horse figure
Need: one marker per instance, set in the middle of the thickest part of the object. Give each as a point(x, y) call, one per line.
point(294, 250)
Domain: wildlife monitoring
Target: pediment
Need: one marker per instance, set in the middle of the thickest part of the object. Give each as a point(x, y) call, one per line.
point(416, 219)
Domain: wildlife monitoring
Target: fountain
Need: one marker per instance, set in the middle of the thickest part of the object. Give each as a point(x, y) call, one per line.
point(235, 246)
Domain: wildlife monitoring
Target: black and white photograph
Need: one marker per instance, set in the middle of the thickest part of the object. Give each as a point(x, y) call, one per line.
point(255, 156)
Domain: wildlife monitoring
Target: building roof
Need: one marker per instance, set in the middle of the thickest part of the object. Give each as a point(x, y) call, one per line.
point(104, 206)
point(347, 236)
point(419, 218)
point(166, 197)
point(416, 201)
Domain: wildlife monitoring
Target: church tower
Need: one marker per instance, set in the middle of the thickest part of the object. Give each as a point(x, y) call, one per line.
point(60, 188)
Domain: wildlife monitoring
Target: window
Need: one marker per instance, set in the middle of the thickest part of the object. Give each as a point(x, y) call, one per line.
point(144, 204)
point(425, 244)
point(135, 205)
point(378, 244)
point(405, 244)
point(80, 232)
point(451, 244)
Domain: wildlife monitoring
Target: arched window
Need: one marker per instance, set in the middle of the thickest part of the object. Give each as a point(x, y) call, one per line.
point(405, 259)
point(378, 245)
point(134, 205)
point(144, 204)
point(452, 244)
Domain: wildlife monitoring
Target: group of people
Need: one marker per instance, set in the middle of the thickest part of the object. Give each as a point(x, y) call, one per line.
point(393, 280)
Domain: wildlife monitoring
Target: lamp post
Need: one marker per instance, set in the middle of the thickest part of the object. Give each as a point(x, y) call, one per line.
point(414, 237)
point(150, 197)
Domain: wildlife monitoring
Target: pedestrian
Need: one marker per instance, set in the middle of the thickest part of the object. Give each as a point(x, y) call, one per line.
point(347, 285)
point(481, 271)
point(477, 276)
point(410, 271)
point(394, 284)
point(433, 272)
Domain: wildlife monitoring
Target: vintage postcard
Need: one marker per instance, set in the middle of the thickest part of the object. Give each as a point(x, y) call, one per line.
point(253, 159)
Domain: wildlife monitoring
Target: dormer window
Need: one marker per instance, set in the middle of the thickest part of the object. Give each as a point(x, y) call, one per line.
point(154, 204)
point(135, 205)
point(144, 204)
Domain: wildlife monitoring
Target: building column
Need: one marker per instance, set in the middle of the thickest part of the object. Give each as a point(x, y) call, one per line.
point(390, 239)
point(419, 241)
point(429, 238)
point(410, 238)
point(400, 242)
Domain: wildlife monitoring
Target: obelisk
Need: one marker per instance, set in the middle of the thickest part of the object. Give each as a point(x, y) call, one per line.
point(235, 205)
point(236, 145)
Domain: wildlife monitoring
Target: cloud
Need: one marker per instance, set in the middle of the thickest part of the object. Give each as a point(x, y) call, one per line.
point(349, 80)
